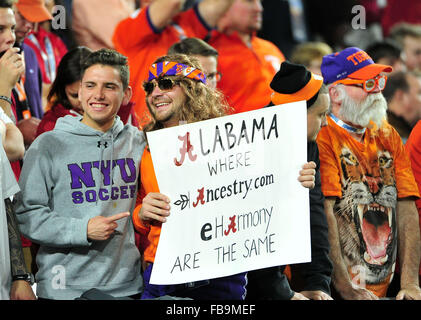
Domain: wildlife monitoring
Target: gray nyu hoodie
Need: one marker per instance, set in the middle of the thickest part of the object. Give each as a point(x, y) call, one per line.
point(70, 175)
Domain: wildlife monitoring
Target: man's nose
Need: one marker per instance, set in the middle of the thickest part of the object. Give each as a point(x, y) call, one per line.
point(10, 37)
point(156, 91)
point(99, 92)
point(376, 89)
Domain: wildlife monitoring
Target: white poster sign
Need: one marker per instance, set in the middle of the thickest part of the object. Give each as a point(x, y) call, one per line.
point(236, 203)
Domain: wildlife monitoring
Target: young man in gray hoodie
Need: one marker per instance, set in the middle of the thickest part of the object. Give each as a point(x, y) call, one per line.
point(79, 185)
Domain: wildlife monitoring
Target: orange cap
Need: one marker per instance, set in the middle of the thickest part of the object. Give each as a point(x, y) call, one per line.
point(370, 71)
point(33, 10)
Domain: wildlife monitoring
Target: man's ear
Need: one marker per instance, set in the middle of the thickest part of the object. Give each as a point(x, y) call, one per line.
point(127, 95)
point(334, 95)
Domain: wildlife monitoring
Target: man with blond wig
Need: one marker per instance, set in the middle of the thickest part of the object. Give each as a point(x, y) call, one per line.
point(177, 92)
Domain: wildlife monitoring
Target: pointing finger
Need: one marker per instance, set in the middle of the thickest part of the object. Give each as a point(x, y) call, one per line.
point(118, 216)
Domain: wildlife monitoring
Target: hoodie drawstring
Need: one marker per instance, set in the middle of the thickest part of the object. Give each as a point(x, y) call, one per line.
point(103, 143)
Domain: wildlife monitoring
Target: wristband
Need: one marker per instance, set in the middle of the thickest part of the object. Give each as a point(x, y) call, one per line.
point(6, 99)
point(28, 277)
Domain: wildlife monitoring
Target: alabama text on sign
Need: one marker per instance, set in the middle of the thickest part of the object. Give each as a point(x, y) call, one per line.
point(236, 203)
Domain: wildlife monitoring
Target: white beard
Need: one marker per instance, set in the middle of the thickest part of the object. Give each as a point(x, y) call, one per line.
point(373, 108)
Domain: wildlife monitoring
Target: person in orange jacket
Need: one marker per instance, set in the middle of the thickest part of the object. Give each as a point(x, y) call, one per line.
point(242, 52)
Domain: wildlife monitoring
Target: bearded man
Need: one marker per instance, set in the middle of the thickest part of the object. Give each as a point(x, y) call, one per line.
point(368, 183)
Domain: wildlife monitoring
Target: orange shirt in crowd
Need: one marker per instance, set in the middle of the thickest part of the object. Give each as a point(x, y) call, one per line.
point(367, 178)
point(90, 27)
point(413, 147)
point(150, 232)
point(246, 72)
point(142, 43)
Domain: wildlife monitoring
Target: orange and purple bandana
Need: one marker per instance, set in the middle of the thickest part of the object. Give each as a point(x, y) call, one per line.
point(170, 68)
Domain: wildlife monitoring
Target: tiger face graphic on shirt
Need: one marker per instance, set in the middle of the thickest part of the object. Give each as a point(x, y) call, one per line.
point(366, 215)
point(367, 178)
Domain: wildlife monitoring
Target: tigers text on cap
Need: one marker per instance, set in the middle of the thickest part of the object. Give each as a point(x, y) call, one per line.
point(33, 10)
point(351, 63)
point(293, 82)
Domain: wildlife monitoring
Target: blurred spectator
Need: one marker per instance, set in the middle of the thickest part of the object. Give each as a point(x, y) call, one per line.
point(387, 52)
point(401, 92)
point(284, 24)
point(151, 31)
point(330, 22)
point(397, 11)
point(205, 53)
point(310, 54)
point(27, 14)
point(409, 38)
point(48, 46)
point(63, 96)
point(49, 49)
point(247, 62)
point(90, 26)
point(416, 93)
point(28, 90)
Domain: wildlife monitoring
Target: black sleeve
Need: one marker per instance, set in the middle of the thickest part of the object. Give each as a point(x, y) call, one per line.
point(268, 284)
point(316, 275)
